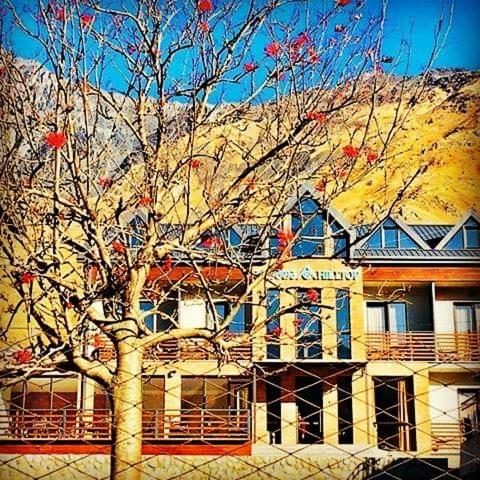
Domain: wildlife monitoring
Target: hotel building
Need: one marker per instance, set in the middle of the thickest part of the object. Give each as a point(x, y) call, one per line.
point(366, 341)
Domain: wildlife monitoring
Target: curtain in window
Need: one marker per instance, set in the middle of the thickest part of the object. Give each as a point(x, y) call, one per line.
point(464, 319)
point(404, 443)
point(376, 318)
point(397, 319)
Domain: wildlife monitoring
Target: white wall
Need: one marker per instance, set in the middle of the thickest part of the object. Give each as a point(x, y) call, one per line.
point(444, 322)
point(443, 404)
point(192, 313)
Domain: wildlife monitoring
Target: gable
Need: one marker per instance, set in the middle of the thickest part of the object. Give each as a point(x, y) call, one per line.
point(392, 234)
point(464, 236)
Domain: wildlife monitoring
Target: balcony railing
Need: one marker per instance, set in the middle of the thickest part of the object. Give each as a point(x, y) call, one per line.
point(423, 346)
point(173, 350)
point(446, 437)
point(161, 425)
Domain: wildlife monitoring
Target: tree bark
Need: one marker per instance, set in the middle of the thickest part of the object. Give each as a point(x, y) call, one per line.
point(126, 454)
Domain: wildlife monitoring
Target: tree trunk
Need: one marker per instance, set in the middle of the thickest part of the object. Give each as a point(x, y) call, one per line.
point(127, 412)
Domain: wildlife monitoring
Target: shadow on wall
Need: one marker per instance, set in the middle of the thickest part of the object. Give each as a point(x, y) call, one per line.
point(470, 456)
point(404, 469)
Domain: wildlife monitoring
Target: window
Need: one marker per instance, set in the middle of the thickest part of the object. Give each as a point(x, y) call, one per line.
point(386, 317)
point(273, 323)
point(466, 317)
point(340, 240)
point(153, 393)
point(137, 236)
point(395, 413)
point(344, 344)
point(45, 393)
point(147, 306)
point(468, 236)
point(308, 322)
point(309, 227)
point(165, 316)
point(241, 321)
point(472, 236)
point(212, 393)
point(390, 235)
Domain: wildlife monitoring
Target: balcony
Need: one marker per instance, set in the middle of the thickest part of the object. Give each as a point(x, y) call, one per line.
point(174, 350)
point(158, 425)
point(423, 346)
point(446, 438)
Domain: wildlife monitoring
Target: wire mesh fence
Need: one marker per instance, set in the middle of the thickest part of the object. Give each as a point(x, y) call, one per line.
point(205, 416)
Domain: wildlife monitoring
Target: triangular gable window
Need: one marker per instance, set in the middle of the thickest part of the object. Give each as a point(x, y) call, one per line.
point(390, 235)
point(467, 236)
point(309, 227)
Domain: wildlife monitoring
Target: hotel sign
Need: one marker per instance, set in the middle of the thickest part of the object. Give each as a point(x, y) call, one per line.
point(307, 273)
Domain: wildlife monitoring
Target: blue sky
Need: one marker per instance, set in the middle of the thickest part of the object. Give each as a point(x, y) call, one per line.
point(462, 48)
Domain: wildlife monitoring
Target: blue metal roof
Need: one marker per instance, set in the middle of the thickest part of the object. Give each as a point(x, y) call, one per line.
point(431, 232)
point(413, 253)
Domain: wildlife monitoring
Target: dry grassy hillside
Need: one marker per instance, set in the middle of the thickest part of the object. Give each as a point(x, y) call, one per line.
point(439, 129)
point(442, 128)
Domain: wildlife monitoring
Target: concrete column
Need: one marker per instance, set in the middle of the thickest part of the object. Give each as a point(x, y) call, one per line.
point(363, 409)
point(259, 346)
point(261, 435)
point(173, 399)
point(330, 414)
point(87, 392)
point(288, 343)
point(289, 423)
point(329, 327)
point(422, 410)
point(357, 323)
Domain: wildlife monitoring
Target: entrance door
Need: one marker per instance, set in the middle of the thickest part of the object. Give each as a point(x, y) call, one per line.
point(308, 392)
point(394, 412)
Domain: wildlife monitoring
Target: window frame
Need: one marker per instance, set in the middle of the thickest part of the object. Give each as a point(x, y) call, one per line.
point(474, 307)
point(247, 313)
point(303, 334)
point(384, 304)
point(303, 219)
point(157, 318)
point(389, 228)
point(473, 228)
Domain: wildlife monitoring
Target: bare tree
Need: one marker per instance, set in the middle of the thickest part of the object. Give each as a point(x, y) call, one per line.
point(141, 135)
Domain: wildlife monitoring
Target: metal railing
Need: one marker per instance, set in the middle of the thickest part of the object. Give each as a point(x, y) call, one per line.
point(423, 346)
point(167, 425)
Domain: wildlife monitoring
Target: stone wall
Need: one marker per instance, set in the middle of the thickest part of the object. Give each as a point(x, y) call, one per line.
point(164, 467)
